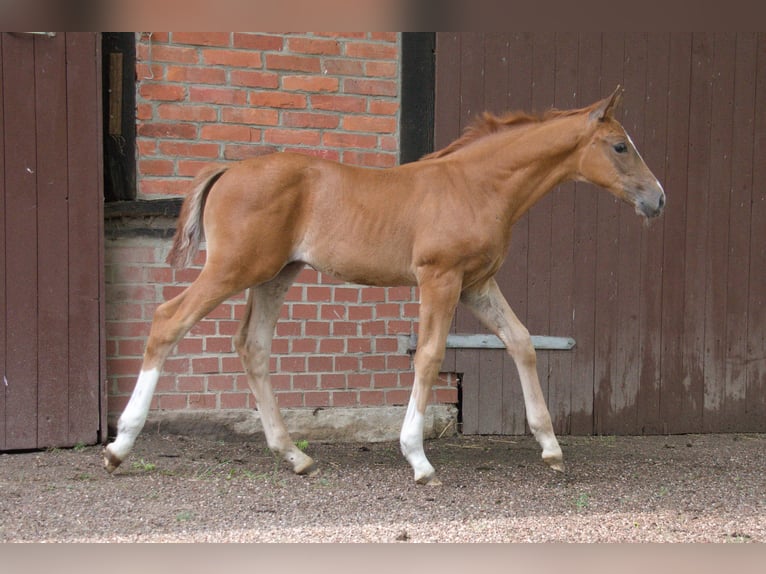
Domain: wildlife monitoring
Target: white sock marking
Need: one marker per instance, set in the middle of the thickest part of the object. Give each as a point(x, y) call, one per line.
point(133, 417)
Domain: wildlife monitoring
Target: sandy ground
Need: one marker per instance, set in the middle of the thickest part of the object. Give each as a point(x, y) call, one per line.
point(691, 488)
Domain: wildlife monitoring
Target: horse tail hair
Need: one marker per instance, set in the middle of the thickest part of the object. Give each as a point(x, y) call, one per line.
point(189, 231)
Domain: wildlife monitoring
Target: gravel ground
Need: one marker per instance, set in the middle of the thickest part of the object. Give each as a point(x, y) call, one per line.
point(692, 488)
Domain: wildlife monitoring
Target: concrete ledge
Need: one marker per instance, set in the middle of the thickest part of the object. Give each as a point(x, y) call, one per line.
point(332, 424)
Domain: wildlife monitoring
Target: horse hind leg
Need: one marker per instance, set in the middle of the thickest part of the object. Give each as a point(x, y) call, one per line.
point(491, 308)
point(172, 320)
point(253, 343)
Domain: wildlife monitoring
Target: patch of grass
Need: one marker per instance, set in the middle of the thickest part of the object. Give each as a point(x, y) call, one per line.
point(184, 516)
point(79, 447)
point(302, 445)
point(144, 466)
point(582, 502)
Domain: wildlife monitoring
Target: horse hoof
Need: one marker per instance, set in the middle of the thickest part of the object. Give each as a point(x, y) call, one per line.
point(111, 462)
point(556, 464)
point(305, 466)
point(429, 480)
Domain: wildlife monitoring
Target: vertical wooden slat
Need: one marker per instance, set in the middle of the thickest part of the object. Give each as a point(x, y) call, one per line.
point(21, 248)
point(539, 254)
point(562, 246)
point(688, 410)
point(626, 361)
point(85, 254)
point(512, 276)
point(738, 257)
point(718, 229)
point(53, 243)
point(471, 104)
point(651, 294)
point(586, 201)
point(493, 384)
point(4, 240)
point(673, 395)
point(755, 400)
point(607, 261)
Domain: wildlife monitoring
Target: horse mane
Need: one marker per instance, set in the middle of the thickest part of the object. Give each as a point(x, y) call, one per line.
point(487, 124)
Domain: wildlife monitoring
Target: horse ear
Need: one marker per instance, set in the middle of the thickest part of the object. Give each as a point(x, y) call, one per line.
point(604, 109)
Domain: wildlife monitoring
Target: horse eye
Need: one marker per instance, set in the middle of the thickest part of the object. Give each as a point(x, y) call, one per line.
point(620, 147)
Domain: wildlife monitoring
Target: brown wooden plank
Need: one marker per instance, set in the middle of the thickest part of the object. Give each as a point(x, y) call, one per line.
point(447, 98)
point(53, 243)
point(493, 385)
point(85, 220)
point(3, 238)
point(738, 257)
point(688, 413)
point(539, 250)
point(718, 229)
point(586, 201)
point(562, 247)
point(512, 277)
point(756, 325)
point(20, 247)
point(674, 398)
point(653, 150)
point(625, 371)
point(471, 102)
point(607, 261)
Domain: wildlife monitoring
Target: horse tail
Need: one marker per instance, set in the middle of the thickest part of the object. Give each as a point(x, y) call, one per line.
point(189, 231)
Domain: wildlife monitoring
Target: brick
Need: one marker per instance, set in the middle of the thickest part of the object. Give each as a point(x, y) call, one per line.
point(359, 346)
point(333, 346)
point(288, 400)
point(371, 87)
point(343, 67)
point(292, 364)
point(189, 149)
point(232, 58)
point(329, 381)
point(374, 363)
point(258, 41)
point(308, 311)
point(344, 398)
point(333, 312)
point(347, 364)
point(219, 345)
point(304, 345)
point(278, 100)
point(372, 51)
point(202, 401)
point(238, 152)
point(360, 381)
point(313, 46)
point(369, 159)
point(305, 382)
point(321, 364)
point(217, 95)
point(293, 63)
point(174, 402)
point(177, 54)
point(250, 116)
point(371, 398)
point(381, 69)
point(317, 399)
point(346, 140)
point(293, 137)
point(310, 120)
point(167, 130)
point(383, 108)
point(346, 294)
point(149, 71)
point(332, 155)
point(310, 84)
point(222, 132)
point(155, 167)
point(203, 38)
point(235, 400)
point(162, 92)
point(369, 124)
point(195, 75)
point(186, 112)
point(397, 397)
point(254, 79)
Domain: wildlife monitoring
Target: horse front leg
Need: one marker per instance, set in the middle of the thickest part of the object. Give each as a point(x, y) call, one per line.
point(438, 298)
point(253, 343)
point(491, 308)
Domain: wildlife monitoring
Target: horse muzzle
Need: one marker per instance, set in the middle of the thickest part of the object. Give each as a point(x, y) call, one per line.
point(650, 203)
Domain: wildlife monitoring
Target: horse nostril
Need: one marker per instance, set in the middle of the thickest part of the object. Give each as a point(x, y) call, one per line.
point(661, 203)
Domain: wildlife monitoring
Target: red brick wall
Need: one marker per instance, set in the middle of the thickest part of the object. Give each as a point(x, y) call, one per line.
point(226, 96)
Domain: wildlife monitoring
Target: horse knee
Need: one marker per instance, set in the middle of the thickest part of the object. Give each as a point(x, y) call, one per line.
point(522, 350)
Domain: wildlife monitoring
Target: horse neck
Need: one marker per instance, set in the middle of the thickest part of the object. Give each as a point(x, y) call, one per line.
point(523, 164)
